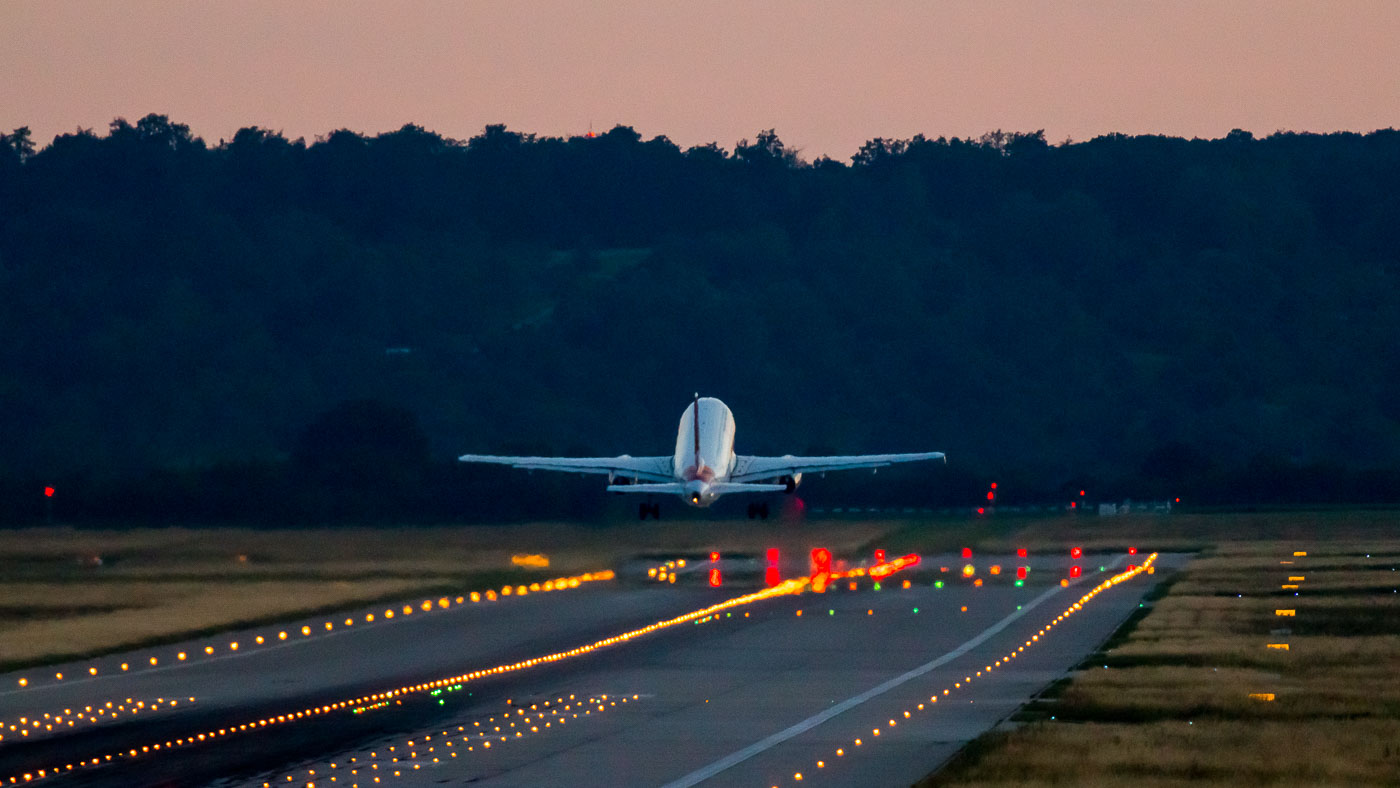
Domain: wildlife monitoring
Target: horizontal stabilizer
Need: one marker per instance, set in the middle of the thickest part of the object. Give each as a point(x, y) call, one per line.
point(740, 487)
point(672, 488)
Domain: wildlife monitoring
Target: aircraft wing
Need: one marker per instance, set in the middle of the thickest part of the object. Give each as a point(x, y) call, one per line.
point(654, 469)
point(754, 468)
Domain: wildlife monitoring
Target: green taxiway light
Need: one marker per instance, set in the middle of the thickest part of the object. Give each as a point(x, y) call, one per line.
point(1020, 583)
point(831, 612)
point(877, 586)
point(916, 610)
point(938, 584)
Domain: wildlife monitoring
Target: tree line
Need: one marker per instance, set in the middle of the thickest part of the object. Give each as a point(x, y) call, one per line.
point(1150, 314)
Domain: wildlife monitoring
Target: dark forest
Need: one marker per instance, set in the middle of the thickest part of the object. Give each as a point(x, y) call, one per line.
point(277, 331)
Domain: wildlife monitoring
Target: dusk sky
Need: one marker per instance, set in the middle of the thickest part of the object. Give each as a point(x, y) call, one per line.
point(827, 75)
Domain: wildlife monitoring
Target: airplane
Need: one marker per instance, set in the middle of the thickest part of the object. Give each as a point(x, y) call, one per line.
point(704, 465)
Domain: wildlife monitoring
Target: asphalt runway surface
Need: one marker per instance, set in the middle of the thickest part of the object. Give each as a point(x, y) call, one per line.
point(753, 695)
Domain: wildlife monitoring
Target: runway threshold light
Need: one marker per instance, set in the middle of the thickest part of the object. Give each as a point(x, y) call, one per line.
point(1076, 553)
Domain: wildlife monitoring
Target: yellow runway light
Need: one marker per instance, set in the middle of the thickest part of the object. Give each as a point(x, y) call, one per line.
point(1285, 612)
point(1279, 646)
point(1266, 696)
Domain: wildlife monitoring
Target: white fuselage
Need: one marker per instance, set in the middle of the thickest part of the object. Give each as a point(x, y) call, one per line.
point(704, 449)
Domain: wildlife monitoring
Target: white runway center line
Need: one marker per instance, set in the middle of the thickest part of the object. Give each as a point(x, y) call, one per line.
point(706, 772)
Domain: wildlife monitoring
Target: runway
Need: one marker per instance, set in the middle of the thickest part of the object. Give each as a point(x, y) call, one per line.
point(753, 694)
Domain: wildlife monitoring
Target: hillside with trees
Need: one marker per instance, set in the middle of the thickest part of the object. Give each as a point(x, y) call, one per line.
point(198, 330)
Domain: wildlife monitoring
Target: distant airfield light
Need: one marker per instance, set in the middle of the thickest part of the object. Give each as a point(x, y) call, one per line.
point(967, 552)
point(48, 492)
point(1020, 573)
point(991, 496)
point(880, 556)
point(980, 510)
point(715, 578)
point(1076, 553)
point(714, 556)
point(1132, 551)
point(994, 485)
point(1075, 571)
point(1020, 552)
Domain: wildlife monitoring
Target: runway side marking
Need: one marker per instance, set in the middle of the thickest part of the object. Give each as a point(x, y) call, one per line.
point(735, 758)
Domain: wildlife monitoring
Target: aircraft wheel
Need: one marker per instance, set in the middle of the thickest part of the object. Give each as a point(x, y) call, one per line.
point(763, 511)
point(656, 511)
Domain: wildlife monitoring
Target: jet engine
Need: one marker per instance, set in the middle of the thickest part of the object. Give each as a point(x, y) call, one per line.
point(790, 482)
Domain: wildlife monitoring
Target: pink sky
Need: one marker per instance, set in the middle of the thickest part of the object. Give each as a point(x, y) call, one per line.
point(827, 75)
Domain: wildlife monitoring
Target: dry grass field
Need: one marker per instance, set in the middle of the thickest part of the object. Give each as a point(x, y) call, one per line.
point(1169, 700)
point(68, 593)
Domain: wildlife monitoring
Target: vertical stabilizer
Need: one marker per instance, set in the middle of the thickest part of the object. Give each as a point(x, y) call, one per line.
point(696, 421)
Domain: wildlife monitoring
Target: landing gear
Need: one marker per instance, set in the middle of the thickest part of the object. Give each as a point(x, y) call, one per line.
point(646, 510)
point(759, 510)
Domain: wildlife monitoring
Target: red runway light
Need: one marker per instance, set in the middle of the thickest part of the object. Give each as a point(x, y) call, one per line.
point(1074, 571)
point(1020, 552)
point(821, 561)
point(48, 492)
point(1020, 573)
point(994, 485)
point(772, 556)
point(880, 556)
point(967, 552)
point(770, 576)
point(714, 556)
point(980, 510)
point(991, 496)
point(1132, 551)
point(714, 578)
point(1076, 552)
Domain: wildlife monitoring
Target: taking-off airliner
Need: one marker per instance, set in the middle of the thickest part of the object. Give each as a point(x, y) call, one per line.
point(704, 465)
